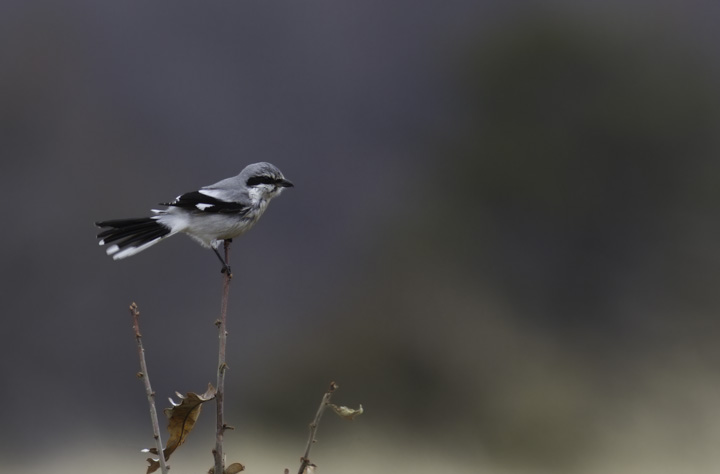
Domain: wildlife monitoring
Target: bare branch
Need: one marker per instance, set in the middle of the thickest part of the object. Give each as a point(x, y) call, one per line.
point(135, 313)
point(222, 367)
point(305, 460)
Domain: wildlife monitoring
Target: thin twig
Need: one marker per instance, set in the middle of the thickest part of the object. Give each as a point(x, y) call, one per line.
point(135, 313)
point(305, 460)
point(222, 367)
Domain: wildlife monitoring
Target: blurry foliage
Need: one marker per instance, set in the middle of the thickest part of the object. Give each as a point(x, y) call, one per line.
point(582, 143)
point(581, 148)
point(503, 305)
point(569, 120)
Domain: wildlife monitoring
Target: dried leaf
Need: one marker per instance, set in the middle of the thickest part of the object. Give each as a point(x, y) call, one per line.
point(182, 417)
point(233, 468)
point(347, 413)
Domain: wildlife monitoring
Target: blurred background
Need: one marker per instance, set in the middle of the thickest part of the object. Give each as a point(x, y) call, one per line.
point(503, 240)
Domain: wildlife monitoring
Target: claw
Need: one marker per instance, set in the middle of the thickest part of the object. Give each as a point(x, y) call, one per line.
point(225, 267)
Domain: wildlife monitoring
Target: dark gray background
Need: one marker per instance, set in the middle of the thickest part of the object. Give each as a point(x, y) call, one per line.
point(503, 240)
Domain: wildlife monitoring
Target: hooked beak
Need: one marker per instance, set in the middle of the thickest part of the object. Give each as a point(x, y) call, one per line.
point(284, 183)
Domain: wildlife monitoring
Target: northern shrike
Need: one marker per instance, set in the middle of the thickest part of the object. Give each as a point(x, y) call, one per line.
point(214, 213)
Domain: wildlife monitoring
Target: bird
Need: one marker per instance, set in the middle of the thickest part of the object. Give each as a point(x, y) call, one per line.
point(213, 214)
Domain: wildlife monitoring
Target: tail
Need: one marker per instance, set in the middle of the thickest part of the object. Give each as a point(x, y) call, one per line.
point(130, 236)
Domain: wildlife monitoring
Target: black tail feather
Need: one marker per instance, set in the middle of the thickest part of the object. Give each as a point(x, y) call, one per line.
point(124, 226)
point(131, 232)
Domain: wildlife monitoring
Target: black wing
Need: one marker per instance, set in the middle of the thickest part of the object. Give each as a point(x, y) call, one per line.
point(197, 201)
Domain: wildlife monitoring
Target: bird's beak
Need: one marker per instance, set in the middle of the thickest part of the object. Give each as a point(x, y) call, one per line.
point(284, 183)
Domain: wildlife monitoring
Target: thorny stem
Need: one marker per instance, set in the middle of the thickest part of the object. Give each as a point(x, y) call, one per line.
point(222, 366)
point(305, 460)
point(135, 313)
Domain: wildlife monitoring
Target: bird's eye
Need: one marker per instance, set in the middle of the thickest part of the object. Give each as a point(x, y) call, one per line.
point(255, 180)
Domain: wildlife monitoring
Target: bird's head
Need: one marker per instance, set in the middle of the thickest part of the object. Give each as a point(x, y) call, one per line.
point(264, 180)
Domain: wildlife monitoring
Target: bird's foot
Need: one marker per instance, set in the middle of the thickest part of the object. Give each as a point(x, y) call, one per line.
point(226, 270)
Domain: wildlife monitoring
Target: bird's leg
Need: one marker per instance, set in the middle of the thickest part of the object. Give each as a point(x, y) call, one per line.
point(226, 267)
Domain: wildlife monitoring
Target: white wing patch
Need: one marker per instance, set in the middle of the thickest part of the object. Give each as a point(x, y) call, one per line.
point(213, 193)
point(202, 206)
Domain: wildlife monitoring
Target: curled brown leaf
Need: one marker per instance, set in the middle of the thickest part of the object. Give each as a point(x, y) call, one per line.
point(181, 420)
